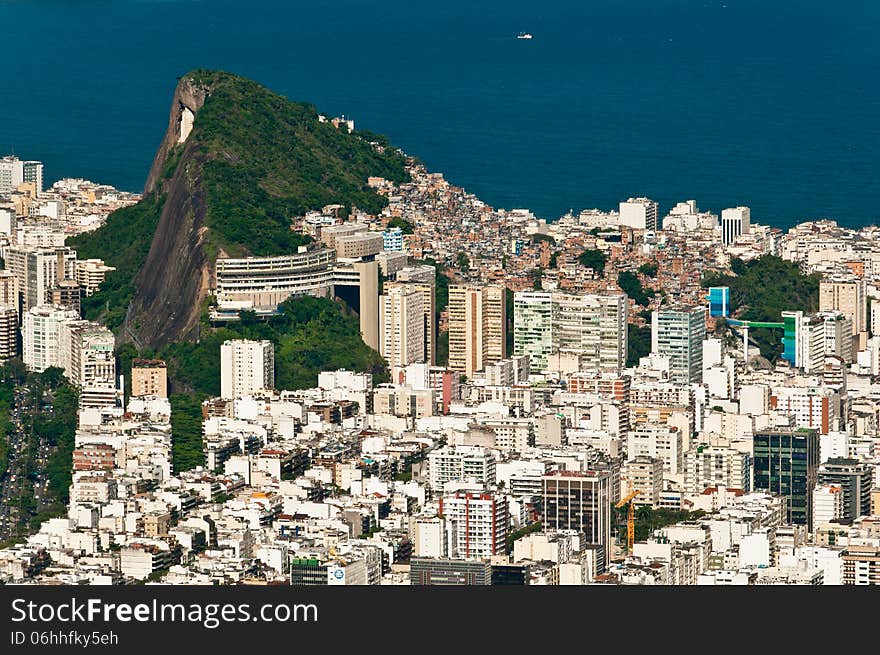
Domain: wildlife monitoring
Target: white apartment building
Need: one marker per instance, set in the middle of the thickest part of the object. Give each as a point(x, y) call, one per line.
point(591, 326)
point(263, 283)
point(481, 522)
point(533, 320)
point(811, 407)
point(716, 466)
point(15, 172)
point(40, 332)
point(86, 354)
point(827, 504)
point(461, 463)
point(659, 440)
point(246, 367)
point(639, 214)
point(734, 222)
point(678, 333)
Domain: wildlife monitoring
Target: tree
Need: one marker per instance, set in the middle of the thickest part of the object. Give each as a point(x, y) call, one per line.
point(638, 340)
point(405, 226)
point(761, 290)
point(631, 286)
point(649, 269)
point(594, 259)
point(463, 262)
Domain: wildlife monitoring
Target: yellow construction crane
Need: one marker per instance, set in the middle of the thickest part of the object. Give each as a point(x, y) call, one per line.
point(630, 519)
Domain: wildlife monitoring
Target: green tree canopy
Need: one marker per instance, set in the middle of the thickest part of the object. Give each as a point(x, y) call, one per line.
point(594, 259)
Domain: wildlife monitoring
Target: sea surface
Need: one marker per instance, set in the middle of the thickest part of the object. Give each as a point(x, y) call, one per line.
point(771, 104)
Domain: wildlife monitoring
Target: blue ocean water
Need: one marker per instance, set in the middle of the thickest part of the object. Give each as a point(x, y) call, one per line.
point(770, 104)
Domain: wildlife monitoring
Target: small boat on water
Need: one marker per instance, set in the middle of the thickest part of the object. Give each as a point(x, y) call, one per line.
point(524, 35)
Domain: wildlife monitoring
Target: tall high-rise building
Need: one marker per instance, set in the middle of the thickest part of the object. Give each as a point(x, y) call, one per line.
point(574, 500)
point(40, 332)
point(786, 462)
point(589, 325)
point(32, 171)
point(478, 523)
point(846, 295)
point(639, 214)
point(429, 310)
point(678, 332)
point(838, 335)
point(477, 327)
point(149, 377)
point(402, 326)
point(86, 353)
point(8, 332)
point(533, 321)
point(246, 367)
point(734, 222)
point(36, 272)
point(8, 289)
point(357, 283)
point(803, 341)
point(594, 326)
point(14, 172)
point(855, 478)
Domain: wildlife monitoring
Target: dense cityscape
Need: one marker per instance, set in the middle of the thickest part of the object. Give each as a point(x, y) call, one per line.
point(620, 396)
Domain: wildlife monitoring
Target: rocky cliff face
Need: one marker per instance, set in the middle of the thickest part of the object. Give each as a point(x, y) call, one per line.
point(175, 276)
point(236, 164)
point(189, 97)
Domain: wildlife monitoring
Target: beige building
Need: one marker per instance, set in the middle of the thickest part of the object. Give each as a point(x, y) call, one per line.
point(477, 327)
point(429, 310)
point(403, 401)
point(645, 475)
point(8, 289)
point(149, 377)
point(363, 244)
point(846, 295)
point(330, 234)
point(8, 332)
point(402, 326)
point(357, 283)
point(90, 274)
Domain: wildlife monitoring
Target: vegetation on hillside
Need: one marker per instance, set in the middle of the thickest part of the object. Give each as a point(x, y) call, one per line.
point(761, 290)
point(310, 335)
point(269, 159)
point(122, 242)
